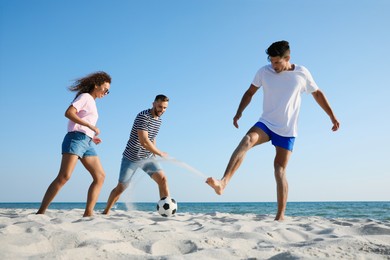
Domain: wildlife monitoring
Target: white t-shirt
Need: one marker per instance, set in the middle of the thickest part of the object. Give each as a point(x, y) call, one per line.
point(282, 97)
point(86, 109)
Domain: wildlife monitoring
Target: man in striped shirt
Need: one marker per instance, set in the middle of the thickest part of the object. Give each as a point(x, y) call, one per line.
point(140, 150)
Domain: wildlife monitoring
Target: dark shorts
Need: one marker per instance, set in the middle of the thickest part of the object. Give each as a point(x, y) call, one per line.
point(277, 140)
point(79, 144)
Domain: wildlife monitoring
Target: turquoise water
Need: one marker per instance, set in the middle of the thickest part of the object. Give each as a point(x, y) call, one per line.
point(372, 210)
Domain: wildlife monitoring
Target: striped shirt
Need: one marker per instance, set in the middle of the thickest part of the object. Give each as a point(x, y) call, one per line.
point(144, 121)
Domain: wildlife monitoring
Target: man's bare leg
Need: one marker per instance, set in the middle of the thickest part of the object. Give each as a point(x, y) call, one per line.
point(280, 164)
point(162, 182)
point(254, 137)
point(114, 197)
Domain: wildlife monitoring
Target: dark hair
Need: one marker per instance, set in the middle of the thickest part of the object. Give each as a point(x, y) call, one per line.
point(161, 98)
point(278, 49)
point(87, 83)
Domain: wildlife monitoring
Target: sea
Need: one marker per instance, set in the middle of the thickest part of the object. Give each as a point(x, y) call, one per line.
point(378, 210)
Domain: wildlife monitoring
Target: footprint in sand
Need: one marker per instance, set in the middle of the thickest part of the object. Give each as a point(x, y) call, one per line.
point(176, 248)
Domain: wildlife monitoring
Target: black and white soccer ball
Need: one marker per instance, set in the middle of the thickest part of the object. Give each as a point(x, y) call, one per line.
point(167, 206)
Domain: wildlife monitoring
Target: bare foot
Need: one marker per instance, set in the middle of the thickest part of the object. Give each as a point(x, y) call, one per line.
point(279, 217)
point(216, 185)
point(87, 214)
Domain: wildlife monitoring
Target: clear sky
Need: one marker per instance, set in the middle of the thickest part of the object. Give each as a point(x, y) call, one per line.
point(203, 55)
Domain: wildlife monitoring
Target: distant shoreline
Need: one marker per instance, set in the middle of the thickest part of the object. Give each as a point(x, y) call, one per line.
point(379, 210)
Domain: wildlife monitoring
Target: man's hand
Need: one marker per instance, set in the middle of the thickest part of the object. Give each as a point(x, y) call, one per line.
point(163, 154)
point(336, 124)
point(235, 119)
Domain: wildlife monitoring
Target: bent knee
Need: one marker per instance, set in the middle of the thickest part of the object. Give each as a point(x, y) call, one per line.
point(160, 178)
point(121, 188)
point(246, 142)
point(102, 176)
point(163, 179)
point(250, 140)
point(99, 177)
point(61, 180)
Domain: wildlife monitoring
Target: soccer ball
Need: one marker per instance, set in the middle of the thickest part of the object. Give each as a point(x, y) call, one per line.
point(167, 206)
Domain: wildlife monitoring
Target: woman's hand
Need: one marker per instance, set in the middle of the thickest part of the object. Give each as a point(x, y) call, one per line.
point(95, 129)
point(96, 140)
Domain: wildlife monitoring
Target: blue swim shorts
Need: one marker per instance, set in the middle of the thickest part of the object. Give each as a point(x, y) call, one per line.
point(277, 140)
point(79, 144)
point(128, 169)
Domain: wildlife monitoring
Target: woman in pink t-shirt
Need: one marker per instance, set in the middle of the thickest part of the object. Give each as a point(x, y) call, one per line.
point(77, 144)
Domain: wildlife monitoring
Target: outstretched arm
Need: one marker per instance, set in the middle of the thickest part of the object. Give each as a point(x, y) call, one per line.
point(149, 145)
point(246, 99)
point(320, 98)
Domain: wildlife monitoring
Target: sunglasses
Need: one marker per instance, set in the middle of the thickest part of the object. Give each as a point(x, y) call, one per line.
point(106, 91)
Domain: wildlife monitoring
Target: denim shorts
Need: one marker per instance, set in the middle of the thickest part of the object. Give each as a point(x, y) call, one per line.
point(128, 169)
point(79, 144)
point(277, 140)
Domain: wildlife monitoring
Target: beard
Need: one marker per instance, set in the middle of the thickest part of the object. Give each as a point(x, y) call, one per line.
point(157, 112)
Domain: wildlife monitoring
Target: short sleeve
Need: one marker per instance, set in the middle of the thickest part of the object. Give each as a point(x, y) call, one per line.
point(142, 122)
point(80, 102)
point(311, 85)
point(258, 79)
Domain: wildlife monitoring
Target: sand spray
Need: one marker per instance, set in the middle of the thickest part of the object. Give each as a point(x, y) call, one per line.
point(178, 163)
point(181, 164)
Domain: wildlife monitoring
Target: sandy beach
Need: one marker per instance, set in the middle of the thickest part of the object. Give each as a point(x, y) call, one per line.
point(64, 234)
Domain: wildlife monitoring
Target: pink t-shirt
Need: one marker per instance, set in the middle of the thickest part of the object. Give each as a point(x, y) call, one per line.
point(86, 109)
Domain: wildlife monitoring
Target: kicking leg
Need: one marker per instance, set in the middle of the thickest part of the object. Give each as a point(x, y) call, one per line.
point(254, 137)
point(162, 182)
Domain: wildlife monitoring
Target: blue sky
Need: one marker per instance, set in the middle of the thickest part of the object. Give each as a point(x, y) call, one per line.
point(203, 55)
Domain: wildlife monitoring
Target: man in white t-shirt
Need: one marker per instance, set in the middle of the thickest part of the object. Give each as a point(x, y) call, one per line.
point(283, 83)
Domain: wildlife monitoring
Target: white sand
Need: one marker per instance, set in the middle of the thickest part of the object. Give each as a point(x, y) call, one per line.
point(64, 234)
